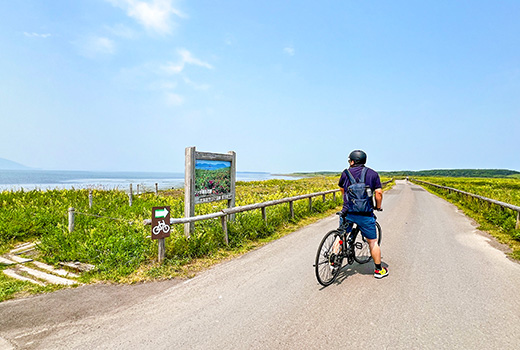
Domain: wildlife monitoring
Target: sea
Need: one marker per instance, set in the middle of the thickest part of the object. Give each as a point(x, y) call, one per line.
point(15, 180)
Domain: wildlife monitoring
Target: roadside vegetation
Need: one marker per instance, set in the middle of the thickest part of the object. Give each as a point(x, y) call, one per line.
point(486, 173)
point(498, 221)
point(111, 235)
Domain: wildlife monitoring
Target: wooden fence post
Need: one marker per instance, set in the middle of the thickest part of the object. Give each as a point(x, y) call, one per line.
point(130, 196)
point(189, 189)
point(71, 219)
point(162, 249)
point(223, 219)
point(517, 220)
point(264, 215)
point(291, 209)
point(90, 199)
point(156, 189)
point(323, 198)
point(310, 204)
point(137, 189)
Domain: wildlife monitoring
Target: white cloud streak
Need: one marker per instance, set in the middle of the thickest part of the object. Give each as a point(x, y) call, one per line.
point(93, 47)
point(185, 58)
point(36, 35)
point(289, 50)
point(196, 86)
point(122, 31)
point(154, 15)
point(173, 99)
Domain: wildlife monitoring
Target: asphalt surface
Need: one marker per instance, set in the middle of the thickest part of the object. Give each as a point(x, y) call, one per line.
point(450, 287)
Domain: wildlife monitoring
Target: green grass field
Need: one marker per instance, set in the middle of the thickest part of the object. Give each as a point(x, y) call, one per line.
point(111, 234)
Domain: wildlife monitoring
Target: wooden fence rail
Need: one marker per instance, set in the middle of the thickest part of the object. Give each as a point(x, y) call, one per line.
point(489, 200)
point(240, 209)
point(224, 213)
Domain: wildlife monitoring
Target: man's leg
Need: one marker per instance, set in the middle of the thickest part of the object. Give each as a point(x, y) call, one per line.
point(375, 250)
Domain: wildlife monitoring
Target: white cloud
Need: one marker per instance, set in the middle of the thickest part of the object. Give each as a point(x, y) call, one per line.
point(122, 31)
point(195, 85)
point(173, 99)
point(36, 35)
point(96, 46)
point(185, 58)
point(289, 50)
point(154, 15)
point(173, 68)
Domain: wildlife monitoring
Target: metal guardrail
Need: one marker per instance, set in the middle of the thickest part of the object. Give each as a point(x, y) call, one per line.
point(489, 200)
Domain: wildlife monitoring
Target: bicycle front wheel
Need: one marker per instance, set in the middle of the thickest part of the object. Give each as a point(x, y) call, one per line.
point(361, 248)
point(328, 263)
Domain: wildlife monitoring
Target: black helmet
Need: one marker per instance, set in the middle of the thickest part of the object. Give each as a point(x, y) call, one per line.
point(358, 156)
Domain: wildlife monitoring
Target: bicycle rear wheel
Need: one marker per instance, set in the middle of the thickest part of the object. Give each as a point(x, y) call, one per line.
point(361, 248)
point(328, 263)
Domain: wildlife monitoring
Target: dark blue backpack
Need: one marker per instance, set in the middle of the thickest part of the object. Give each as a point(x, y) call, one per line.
point(359, 195)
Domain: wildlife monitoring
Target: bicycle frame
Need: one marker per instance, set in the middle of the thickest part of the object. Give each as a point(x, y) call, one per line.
point(345, 242)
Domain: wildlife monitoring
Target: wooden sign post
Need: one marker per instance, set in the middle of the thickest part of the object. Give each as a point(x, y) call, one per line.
point(209, 177)
point(161, 228)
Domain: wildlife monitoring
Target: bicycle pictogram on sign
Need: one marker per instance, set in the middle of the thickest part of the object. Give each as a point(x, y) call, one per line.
point(160, 222)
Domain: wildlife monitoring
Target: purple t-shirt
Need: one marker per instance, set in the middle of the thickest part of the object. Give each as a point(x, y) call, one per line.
point(371, 179)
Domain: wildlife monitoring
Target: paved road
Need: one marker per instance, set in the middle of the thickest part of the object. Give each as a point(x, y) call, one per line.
point(448, 288)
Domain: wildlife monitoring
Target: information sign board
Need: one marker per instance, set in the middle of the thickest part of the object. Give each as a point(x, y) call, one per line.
point(208, 177)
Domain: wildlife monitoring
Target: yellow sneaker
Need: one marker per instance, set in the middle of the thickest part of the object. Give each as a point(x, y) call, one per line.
point(381, 273)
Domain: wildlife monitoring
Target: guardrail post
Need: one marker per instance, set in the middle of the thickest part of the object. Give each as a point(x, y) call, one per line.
point(223, 219)
point(291, 209)
point(90, 199)
point(323, 198)
point(334, 196)
point(264, 215)
point(310, 204)
point(71, 219)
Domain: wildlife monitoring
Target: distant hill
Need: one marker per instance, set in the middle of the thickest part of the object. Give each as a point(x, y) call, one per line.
point(6, 164)
point(211, 165)
point(439, 172)
point(455, 173)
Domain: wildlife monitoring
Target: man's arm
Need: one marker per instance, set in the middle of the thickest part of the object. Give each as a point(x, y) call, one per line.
point(378, 194)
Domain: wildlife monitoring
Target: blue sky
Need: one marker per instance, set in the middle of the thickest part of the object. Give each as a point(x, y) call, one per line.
point(127, 85)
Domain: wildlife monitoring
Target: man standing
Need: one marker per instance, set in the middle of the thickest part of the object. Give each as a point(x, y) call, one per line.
point(359, 211)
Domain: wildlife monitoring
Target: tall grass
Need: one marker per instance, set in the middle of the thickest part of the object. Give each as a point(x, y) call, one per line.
point(111, 236)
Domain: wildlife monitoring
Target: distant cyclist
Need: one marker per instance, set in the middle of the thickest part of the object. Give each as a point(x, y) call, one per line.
point(360, 185)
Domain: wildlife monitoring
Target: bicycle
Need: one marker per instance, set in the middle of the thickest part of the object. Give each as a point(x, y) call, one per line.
point(345, 242)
